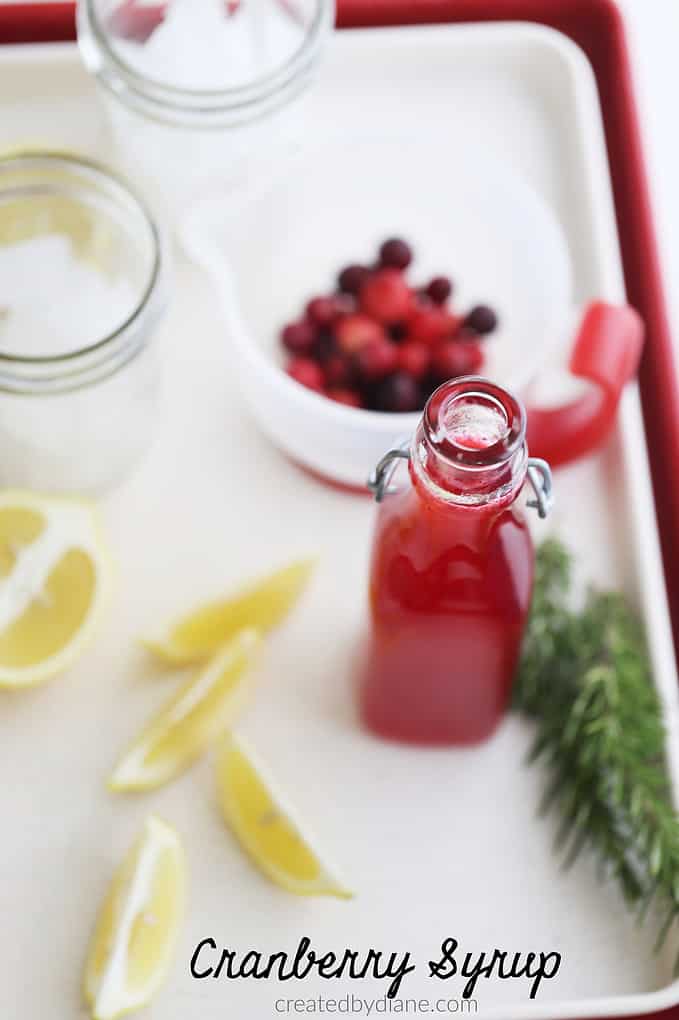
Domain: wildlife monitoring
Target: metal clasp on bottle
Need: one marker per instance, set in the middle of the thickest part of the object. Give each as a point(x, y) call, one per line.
point(380, 480)
point(539, 476)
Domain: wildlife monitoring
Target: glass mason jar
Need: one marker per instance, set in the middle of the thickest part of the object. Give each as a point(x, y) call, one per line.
point(82, 288)
point(193, 86)
point(452, 569)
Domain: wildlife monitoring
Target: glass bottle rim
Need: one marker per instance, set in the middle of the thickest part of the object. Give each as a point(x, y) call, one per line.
point(162, 100)
point(441, 429)
point(471, 470)
point(34, 374)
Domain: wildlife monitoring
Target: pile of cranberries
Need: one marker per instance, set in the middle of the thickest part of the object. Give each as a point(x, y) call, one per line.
point(379, 343)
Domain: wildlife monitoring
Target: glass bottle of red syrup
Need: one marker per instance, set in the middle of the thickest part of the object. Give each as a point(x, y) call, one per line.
point(452, 569)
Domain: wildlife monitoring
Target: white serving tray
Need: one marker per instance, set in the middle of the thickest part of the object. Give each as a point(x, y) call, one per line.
point(437, 843)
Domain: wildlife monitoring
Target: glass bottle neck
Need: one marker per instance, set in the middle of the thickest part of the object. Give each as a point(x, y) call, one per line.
point(470, 446)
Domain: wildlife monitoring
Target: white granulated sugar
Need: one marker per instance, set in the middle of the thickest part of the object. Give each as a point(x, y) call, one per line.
point(200, 46)
point(52, 302)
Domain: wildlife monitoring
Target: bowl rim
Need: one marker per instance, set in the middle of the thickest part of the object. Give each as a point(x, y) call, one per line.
point(202, 245)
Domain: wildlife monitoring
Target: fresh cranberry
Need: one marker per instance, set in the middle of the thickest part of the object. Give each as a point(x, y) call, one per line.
point(453, 358)
point(481, 319)
point(344, 395)
point(386, 296)
point(375, 361)
point(352, 278)
point(396, 254)
point(475, 357)
point(337, 370)
point(345, 303)
point(439, 289)
point(307, 372)
point(398, 332)
point(398, 393)
point(430, 324)
point(357, 331)
point(427, 388)
point(325, 346)
point(299, 337)
point(414, 359)
point(322, 310)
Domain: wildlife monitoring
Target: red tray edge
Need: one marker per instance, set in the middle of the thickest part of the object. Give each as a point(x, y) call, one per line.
point(35, 23)
point(597, 26)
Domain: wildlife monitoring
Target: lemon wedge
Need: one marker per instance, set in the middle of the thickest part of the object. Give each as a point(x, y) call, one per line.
point(198, 713)
point(266, 829)
point(54, 574)
point(138, 924)
point(262, 605)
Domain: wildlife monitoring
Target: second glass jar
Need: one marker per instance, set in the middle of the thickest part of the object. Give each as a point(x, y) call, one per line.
point(193, 87)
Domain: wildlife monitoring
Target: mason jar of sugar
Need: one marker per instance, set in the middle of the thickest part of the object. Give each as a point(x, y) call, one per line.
point(82, 288)
point(194, 88)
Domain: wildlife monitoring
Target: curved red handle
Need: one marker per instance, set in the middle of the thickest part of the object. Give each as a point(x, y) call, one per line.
point(606, 353)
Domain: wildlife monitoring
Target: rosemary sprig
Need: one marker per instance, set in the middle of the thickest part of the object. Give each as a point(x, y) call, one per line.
point(585, 680)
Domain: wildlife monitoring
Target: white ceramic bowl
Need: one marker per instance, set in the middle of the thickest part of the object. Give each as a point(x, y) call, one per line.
point(271, 247)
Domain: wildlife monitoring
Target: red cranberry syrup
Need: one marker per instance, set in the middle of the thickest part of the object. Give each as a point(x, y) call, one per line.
point(451, 575)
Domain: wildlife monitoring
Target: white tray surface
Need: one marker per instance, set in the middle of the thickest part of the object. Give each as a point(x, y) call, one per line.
point(437, 843)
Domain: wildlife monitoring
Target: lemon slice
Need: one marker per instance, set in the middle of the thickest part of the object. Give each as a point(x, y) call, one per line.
point(198, 713)
point(263, 605)
point(138, 924)
point(54, 574)
point(266, 829)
